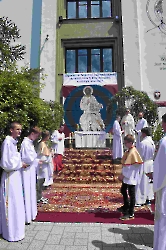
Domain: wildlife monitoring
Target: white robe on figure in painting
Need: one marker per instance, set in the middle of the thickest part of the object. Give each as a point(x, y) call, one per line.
point(144, 190)
point(142, 123)
point(159, 187)
point(91, 119)
point(117, 141)
point(11, 192)
point(29, 156)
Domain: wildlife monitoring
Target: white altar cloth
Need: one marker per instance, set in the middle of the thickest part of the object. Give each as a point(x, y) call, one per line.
point(90, 139)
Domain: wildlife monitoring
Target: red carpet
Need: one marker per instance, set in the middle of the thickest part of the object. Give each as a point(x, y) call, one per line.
point(140, 218)
point(88, 203)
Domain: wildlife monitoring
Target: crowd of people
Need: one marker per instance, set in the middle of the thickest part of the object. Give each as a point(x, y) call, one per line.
point(143, 173)
point(24, 176)
point(25, 173)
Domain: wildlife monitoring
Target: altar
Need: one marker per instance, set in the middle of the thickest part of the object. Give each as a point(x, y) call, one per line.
point(90, 139)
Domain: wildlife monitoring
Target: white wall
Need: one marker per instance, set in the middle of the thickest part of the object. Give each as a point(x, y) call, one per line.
point(131, 44)
point(48, 54)
point(20, 12)
point(141, 70)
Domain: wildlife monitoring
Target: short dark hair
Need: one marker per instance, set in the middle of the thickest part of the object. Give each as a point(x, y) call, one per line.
point(13, 124)
point(129, 138)
point(146, 131)
point(35, 130)
point(164, 118)
point(45, 134)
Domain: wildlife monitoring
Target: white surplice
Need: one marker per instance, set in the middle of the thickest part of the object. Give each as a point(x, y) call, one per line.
point(159, 186)
point(129, 125)
point(11, 192)
point(131, 174)
point(29, 156)
point(142, 123)
point(58, 145)
point(144, 190)
point(117, 141)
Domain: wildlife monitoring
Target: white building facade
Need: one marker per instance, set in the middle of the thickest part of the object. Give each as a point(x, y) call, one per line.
point(144, 41)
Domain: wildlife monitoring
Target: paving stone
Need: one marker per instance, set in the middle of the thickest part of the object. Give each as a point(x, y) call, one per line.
point(36, 244)
point(73, 229)
point(54, 247)
point(17, 245)
point(135, 239)
point(82, 235)
point(113, 248)
point(41, 235)
point(76, 248)
point(3, 243)
point(97, 246)
point(29, 227)
point(44, 227)
point(67, 242)
point(92, 229)
point(28, 239)
point(53, 239)
point(68, 235)
point(57, 230)
point(94, 236)
point(138, 230)
point(81, 242)
point(86, 224)
point(111, 240)
point(147, 238)
point(31, 233)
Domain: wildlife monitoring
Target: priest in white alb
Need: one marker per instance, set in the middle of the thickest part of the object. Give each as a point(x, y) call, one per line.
point(117, 139)
point(144, 190)
point(159, 187)
point(128, 124)
point(12, 221)
point(29, 156)
point(142, 123)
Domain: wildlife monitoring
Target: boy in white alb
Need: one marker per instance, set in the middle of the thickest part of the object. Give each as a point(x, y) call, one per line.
point(58, 147)
point(131, 163)
point(29, 156)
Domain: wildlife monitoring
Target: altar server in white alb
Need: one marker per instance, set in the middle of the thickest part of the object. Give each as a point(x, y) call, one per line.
point(159, 187)
point(128, 124)
point(46, 169)
point(117, 139)
point(58, 147)
point(144, 190)
point(12, 220)
point(29, 156)
point(131, 163)
point(142, 123)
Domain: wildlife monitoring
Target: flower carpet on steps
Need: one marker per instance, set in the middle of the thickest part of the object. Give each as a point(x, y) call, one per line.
point(87, 203)
point(87, 190)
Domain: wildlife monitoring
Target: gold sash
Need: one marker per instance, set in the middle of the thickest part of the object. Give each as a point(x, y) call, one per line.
point(131, 157)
